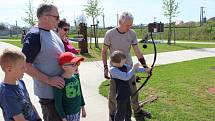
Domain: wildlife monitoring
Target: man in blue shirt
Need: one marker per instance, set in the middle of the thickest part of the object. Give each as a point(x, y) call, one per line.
point(42, 47)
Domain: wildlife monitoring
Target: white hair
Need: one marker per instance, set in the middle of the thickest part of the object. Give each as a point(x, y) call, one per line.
point(126, 16)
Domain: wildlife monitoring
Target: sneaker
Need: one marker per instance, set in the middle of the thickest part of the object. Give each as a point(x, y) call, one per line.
point(145, 114)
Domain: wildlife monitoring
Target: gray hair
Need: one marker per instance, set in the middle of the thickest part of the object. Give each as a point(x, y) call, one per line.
point(43, 9)
point(125, 16)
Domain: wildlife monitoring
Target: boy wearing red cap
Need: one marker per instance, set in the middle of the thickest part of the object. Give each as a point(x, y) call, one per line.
point(69, 101)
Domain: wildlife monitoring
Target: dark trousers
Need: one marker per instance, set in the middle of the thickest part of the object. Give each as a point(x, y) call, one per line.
point(112, 97)
point(123, 110)
point(48, 110)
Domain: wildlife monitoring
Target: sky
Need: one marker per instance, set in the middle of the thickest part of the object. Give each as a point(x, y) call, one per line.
point(144, 11)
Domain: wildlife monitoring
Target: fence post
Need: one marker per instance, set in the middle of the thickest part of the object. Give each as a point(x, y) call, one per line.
point(211, 32)
point(174, 32)
point(189, 32)
point(83, 43)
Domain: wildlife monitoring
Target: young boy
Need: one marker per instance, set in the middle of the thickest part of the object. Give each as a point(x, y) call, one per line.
point(69, 101)
point(14, 98)
point(121, 73)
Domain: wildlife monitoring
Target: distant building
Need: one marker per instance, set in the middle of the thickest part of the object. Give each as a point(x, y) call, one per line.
point(179, 22)
point(190, 23)
point(212, 19)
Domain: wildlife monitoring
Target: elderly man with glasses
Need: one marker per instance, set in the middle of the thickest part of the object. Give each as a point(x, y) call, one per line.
point(42, 47)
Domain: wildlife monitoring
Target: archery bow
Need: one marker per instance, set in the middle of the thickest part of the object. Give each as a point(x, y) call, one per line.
point(152, 66)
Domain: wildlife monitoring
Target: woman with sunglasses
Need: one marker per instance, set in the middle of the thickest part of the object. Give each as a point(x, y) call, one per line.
point(63, 30)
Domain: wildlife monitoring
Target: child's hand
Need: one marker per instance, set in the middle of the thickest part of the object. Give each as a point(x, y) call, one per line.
point(64, 119)
point(148, 71)
point(136, 66)
point(83, 112)
point(78, 51)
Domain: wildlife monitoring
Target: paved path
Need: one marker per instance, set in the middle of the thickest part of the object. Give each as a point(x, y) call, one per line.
point(101, 40)
point(91, 74)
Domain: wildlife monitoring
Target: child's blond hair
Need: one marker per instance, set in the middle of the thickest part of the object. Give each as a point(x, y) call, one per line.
point(9, 57)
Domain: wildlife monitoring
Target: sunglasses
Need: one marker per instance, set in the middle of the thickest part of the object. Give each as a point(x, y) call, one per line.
point(56, 17)
point(65, 29)
point(71, 64)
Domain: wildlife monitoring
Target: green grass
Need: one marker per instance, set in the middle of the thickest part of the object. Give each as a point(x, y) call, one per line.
point(194, 33)
point(94, 54)
point(14, 42)
point(182, 90)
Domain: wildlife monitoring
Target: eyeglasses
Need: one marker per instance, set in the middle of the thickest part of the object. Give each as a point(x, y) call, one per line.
point(57, 17)
point(70, 64)
point(65, 29)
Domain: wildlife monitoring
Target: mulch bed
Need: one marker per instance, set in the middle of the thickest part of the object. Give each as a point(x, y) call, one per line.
point(213, 68)
point(211, 90)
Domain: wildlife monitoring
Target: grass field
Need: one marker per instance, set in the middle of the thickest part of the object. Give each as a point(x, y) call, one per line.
point(182, 90)
point(95, 53)
point(195, 33)
point(188, 32)
point(181, 87)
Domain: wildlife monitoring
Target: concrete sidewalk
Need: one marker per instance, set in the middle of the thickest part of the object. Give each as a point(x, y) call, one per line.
point(101, 40)
point(91, 74)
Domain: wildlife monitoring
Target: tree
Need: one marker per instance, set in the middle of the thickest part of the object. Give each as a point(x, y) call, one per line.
point(48, 1)
point(3, 26)
point(93, 10)
point(30, 18)
point(170, 11)
point(81, 19)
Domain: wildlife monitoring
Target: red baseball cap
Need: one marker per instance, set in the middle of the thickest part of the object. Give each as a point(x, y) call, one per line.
point(68, 57)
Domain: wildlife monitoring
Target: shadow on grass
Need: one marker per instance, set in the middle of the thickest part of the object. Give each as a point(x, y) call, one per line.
point(193, 47)
point(87, 55)
point(93, 53)
point(186, 46)
point(96, 49)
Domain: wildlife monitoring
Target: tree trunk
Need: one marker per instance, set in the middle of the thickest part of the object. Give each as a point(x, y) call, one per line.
point(170, 32)
point(174, 34)
point(94, 33)
point(103, 21)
